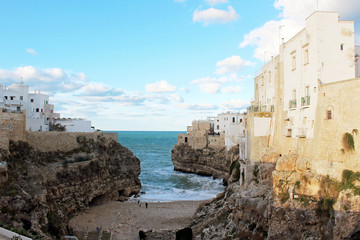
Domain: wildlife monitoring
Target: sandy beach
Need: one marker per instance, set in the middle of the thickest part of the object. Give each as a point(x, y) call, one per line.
point(125, 219)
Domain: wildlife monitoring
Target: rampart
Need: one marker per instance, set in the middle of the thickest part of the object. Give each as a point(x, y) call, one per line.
point(62, 141)
point(12, 127)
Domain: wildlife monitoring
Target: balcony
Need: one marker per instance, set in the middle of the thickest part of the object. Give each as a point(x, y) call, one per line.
point(264, 108)
point(292, 103)
point(305, 101)
point(301, 133)
point(287, 132)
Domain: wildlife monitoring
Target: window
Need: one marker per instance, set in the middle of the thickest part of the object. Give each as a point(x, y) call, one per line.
point(185, 139)
point(12, 98)
point(37, 110)
point(21, 98)
point(341, 46)
point(51, 111)
point(269, 76)
point(306, 56)
point(293, 60)
point(240, 119)
point(328, 114)
point(6, 97)
point(307, 93)
point(31, 100)
point(41, 110)
point(217, 127)
point(233, 119)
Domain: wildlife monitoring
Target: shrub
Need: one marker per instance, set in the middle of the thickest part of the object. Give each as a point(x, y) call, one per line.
point(348, 141)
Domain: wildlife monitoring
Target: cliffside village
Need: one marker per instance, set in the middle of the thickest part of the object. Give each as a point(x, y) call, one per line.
point(22, 110)
point(306, 102)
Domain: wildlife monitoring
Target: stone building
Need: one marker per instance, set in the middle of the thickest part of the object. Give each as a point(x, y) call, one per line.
point(201, 135)
point(313, 97)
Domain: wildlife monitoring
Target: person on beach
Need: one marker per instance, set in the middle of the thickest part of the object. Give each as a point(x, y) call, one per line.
point(146, 204)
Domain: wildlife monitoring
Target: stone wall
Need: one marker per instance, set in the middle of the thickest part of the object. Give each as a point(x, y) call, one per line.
point(257, 143)
point(326, 149)
point(12, 127)
point(57, 141)
point(216, 141)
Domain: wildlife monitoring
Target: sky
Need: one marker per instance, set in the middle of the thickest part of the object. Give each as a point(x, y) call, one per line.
point(148, 65)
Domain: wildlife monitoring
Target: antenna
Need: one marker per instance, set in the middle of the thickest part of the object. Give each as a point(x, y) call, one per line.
point(317, 5)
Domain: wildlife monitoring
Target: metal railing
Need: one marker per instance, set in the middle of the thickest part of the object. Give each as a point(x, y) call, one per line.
point(264, 108)
point(292, 103)
point(305, 101)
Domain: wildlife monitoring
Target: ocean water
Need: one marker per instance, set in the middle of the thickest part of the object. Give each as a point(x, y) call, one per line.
point(159, 180)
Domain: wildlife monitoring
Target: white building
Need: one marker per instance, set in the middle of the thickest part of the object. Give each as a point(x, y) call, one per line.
point(264, 85)
point(357, 61)
point(232, 125)
point(75, 125)
point(323, 52)
point(39, 113)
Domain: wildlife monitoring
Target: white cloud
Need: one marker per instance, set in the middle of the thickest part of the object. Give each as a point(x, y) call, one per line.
point(209, 80)
point(231, 89)
point(183, 89)
point(213, 15)
point(179, 0)
point(231, 64)
point(209, 87)
point(267, 38)
point(215, 2)
point(235, 104)
point(99, 89)
point(31, 51)
point(160, 87)
point(201, 106)
point(52, 79)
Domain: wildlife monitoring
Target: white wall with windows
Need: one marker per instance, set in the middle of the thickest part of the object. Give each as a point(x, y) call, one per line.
point(318, 54)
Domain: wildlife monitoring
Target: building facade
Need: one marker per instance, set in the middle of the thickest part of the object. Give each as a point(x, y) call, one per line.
point(39, 113)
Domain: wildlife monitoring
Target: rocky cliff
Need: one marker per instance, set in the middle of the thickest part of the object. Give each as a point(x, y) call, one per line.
point(269, 208)
point(206, 161)
point(44, 189)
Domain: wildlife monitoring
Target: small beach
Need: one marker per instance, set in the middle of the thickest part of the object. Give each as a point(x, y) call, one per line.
point(125, 219)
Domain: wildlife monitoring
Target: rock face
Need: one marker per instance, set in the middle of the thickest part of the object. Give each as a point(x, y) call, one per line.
point(206, 161)
point(44, 189)
point(255, 210)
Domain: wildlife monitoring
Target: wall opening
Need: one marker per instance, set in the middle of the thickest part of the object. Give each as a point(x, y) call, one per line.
point(186, 139)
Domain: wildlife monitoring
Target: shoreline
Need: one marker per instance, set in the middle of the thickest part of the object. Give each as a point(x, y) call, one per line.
point(124, 220)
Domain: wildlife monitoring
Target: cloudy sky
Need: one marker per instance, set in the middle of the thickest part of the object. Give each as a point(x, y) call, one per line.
point(148, 65)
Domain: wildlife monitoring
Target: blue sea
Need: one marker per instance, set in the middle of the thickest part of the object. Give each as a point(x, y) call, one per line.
point(159, 180)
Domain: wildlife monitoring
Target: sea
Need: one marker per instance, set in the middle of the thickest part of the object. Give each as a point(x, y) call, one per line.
point(159, 180)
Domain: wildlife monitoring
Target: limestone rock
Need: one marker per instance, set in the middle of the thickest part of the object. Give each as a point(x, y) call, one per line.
point(44, 189)
point(286, 163)
point(207, 161)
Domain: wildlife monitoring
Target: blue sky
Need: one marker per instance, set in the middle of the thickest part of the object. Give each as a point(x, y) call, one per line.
point(148, 64)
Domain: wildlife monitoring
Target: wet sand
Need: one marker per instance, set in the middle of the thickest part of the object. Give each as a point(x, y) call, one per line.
point(125, 219)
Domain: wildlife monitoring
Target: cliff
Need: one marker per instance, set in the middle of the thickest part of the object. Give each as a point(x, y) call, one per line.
point(42, 190)
point(268, 207)
point(205, 161)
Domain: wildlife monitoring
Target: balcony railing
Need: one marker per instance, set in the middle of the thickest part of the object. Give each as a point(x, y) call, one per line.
point(301, 132)
point(292, 103)
point(305, 101)
point(270, 108)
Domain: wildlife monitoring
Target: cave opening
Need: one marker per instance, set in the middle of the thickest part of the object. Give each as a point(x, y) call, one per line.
point(97, 200)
